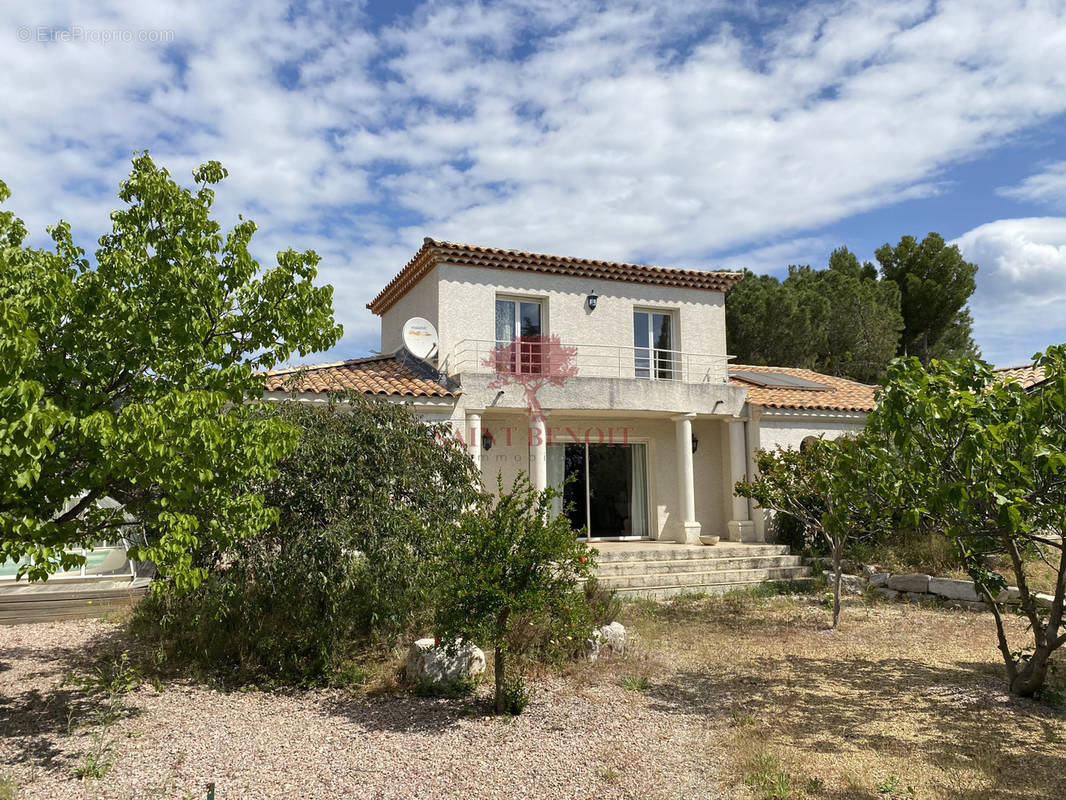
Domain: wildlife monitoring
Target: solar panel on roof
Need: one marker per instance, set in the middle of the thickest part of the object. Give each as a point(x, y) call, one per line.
point(778, 380)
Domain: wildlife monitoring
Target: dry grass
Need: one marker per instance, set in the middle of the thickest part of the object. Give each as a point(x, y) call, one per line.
point(902, 701)
point(732, 697)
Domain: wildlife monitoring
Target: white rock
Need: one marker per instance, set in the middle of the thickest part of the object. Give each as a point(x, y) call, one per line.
point(879, 579)
point(909, 582)
point(852, 584)
point(953, 589)
point(430, 662)
point(613, 637)
point(888, 594)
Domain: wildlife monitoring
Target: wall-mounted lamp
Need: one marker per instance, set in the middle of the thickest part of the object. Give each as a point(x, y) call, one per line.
point(695, 443)
point(591, 301)
point(486, 441)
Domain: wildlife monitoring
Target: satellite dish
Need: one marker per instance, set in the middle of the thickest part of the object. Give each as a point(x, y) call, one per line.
point(419, 337)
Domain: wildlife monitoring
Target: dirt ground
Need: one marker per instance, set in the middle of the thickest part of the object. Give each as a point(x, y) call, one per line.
point(732, 697)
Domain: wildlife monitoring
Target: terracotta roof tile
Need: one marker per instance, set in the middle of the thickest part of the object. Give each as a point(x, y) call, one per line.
point(1028, 374)
point(378, 375)
point(433, 252)
point(842, 394)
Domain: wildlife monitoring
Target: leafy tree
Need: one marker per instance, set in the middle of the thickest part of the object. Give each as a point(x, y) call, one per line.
point(839, 320)
point(985, 461)
point(816, 487)
point(935, 283)
point(509, 562)
point(364, 504)
point(129, 377)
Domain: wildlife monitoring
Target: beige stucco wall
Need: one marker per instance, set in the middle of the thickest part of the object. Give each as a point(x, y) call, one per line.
point(790, 431)
point(467, 308)
point(422, 300)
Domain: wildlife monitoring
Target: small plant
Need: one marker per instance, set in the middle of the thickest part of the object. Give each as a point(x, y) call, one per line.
point(635, 683)
point(893, 787)
point(461, 687)
point(98, 760)
point(814, 786)
point(766, 777)
point(8, 788)
point(516, 696)
point(742, 719)
point(350, 674)
point(608, 773)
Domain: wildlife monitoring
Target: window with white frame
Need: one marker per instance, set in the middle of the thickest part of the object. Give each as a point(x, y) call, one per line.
point(654, 344)
point(520, 331)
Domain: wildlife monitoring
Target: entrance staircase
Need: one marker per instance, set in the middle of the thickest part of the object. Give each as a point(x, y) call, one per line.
point(665, 569)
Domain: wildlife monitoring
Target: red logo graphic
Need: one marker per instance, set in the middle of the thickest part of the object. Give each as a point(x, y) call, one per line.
point(532, 362)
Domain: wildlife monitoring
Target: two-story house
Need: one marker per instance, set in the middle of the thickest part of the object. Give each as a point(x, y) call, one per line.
point(613, 375)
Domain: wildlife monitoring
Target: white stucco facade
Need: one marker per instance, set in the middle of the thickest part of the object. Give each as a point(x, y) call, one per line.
point(691, 434)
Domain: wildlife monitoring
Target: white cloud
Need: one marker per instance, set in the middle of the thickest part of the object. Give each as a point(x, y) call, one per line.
point(669, 132)
point(1047, 186)
point(1020, 303)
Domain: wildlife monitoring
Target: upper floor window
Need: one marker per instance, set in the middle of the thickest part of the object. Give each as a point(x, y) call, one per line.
point(654, 351)
point(519, 335)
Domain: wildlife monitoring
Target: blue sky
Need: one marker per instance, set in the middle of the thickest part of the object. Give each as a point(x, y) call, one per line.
point(691, 134)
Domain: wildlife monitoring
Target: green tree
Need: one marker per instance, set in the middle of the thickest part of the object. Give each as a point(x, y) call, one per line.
point(984, 461)
point(364, 504)
point(139, 366)
point(935, 283)
point(507, 563)
point(767, 324)
point(816, 487)
point(840, 320)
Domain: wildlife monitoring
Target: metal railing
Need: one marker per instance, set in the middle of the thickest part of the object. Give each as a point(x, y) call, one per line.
point(545, 356)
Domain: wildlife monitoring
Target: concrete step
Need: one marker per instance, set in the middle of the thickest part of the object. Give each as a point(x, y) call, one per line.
point(681, 553)
point(610, 568)
point(660, 592)
point(703, 579)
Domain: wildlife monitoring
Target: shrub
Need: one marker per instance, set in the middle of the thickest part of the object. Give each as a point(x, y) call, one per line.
point(364, 504)
point(512, 566)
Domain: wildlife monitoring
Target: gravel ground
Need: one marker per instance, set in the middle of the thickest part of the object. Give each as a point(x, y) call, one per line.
point(577, 738)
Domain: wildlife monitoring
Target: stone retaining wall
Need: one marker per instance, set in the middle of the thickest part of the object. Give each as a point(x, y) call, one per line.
point(916, 587)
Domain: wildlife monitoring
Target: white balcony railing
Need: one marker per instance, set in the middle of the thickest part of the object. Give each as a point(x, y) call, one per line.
point(544, 356)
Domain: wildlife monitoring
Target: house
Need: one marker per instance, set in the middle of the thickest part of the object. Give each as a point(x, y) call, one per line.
point(1030, 376)
point(613, 375)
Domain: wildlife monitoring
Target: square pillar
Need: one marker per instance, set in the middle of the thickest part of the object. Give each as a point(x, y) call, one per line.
point(538, 452)
point(688, 529)
point(740, 527)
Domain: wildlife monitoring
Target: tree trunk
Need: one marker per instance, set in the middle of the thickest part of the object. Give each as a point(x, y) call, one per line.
point(501, 684)
point(500, 662)
point(838, 557)
point(1032, 673)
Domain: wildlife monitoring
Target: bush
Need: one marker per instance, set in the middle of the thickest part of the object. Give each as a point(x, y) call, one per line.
point(364, 502)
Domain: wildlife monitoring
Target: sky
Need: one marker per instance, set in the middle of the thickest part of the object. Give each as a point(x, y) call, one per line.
point(706, 135)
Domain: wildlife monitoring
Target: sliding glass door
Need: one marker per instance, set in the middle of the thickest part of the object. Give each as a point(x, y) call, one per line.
point(607, 495)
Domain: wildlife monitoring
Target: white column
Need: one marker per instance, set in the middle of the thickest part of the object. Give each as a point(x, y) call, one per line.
point(538, 453)
point(473, 436)
point(688, 530)
point(740, 527)
point(751, 444)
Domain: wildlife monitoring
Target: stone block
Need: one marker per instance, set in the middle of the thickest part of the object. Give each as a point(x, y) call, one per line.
point(954, 589)
point(879, 579)
point(909, 582)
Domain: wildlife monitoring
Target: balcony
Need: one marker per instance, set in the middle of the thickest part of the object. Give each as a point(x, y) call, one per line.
point(547, 357)
point(591, 377)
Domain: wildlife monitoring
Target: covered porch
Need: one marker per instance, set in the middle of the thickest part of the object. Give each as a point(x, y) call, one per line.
point(627, 479)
